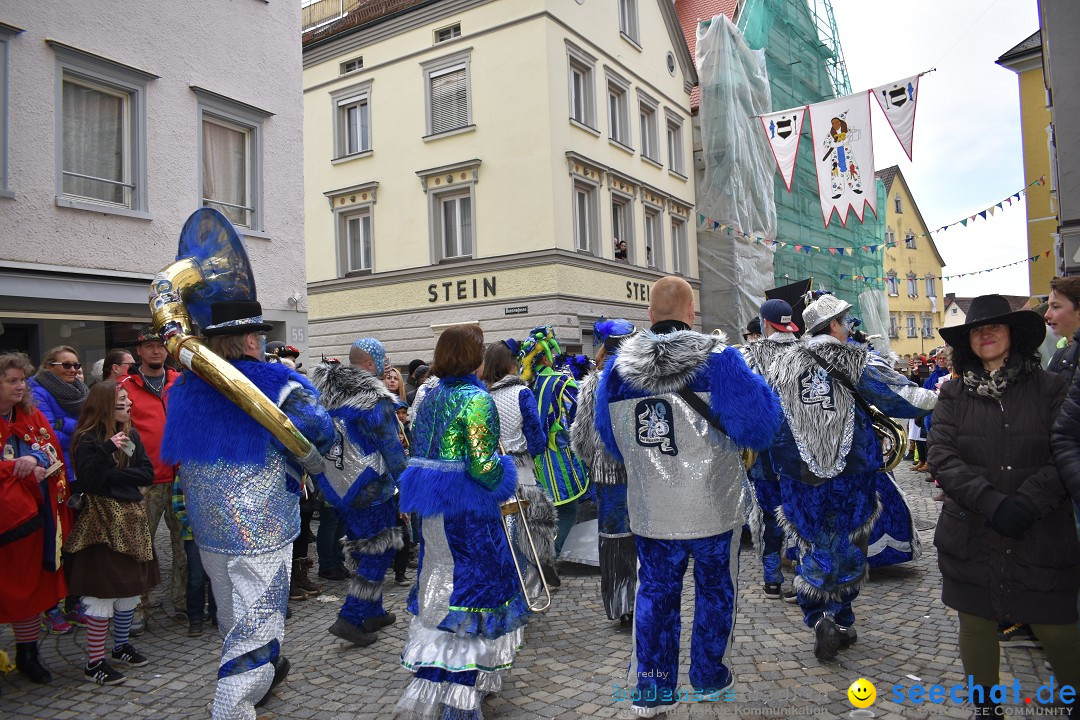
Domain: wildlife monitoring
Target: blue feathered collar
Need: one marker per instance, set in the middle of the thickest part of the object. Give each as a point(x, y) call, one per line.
point(202, 425)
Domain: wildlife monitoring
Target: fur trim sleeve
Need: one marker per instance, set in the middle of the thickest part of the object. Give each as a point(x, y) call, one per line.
point(745, 405)
point(602, 410)
point(531, 426)
point(433, 487)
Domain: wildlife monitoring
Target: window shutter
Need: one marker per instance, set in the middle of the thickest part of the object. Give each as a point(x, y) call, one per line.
point(449, 101)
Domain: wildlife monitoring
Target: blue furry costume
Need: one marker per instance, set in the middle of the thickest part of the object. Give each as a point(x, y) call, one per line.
point(684, 490)
point(468, 608)
point(769, 536)
point(242, 491)
point(358, 480)
point(828, 458)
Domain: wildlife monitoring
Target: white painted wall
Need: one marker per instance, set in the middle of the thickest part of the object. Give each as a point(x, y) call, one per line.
point(247, 50)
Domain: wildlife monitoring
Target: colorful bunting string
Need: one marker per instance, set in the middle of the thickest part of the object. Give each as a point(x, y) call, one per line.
point(1015, 197)
point(1033, 258)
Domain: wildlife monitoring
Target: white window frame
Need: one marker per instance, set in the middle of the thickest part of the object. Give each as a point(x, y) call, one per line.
point(623, 204)
point(909, 240)
point(351, 65)
point(892, 284)
point(653, 228)
point(453, 31)
point(676, 161)
point(649, 125)
point(341, 101)
point(912, 286)
point(927, 325)
point(618, 94)
point(465, 247)
point(589, 192)
point(349, 266)
point(898, 204)
point(894, 325)
point(433, 69)
point(931, 286)
point(6, 33)
point(680, 248)
point(443, 184)
point(227, 112)
point(890, 236)
point(82, 68)
point(912, 326)
point(583, 107)
point(628, 22)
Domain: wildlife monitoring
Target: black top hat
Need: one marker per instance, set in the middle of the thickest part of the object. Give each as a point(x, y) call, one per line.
point(994, 310)
point(753, 327)
point(236, 317)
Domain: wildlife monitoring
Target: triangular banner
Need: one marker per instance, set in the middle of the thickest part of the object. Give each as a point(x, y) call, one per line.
point(843, 156)
point(783, 129)
point(897, 101)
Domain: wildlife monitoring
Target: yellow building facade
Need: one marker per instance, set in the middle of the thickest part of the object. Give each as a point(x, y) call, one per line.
point(512, 163)
point(1025, 59)
point(912, 271)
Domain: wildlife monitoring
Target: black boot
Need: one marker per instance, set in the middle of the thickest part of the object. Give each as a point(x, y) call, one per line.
point(28, 663)
point(281, 671)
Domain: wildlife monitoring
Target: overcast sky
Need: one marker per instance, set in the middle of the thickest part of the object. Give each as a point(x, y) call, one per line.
point(967, 152)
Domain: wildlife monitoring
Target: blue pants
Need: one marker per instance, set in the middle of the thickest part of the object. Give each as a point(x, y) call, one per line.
point(657, 621)
point(767, 493)
point(830, 521)
point(371, 531)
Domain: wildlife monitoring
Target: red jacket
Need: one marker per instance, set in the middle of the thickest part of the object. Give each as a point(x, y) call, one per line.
point(148, 417)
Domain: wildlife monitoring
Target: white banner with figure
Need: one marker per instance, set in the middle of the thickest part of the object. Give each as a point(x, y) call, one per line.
point(897, 101)
point(844, 156)
point(783, 130)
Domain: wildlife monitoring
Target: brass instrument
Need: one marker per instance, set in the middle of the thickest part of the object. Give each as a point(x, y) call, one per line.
point(517, 505)
point(749, 457)
point(893, 437)
point(212, 264)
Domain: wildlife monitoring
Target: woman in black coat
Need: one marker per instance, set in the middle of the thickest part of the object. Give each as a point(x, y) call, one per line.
point(111, 555)
point(1006, 539)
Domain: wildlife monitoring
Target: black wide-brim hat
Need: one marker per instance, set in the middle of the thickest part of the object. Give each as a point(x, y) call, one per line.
point(994, 310)
point(236, 317)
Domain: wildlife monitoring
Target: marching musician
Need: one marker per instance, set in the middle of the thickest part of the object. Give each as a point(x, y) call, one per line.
point(242, 489)
point(468, 607)
point(675, 406)
point(828, 456)
point(779, 338)
point(616, 545)
point(358, 480)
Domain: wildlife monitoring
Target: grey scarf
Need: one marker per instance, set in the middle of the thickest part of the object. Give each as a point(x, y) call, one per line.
point(994, 383)
point(71, 396)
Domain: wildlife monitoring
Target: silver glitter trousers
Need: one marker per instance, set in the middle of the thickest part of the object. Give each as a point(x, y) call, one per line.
point(252, 592)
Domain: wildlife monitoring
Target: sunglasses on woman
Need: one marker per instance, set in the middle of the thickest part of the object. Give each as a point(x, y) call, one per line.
point(68, 365)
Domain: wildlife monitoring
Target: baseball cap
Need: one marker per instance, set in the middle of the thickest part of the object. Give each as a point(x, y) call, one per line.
point(777, 313)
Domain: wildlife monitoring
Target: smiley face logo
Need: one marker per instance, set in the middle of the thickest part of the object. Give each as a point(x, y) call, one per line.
point(862, 693)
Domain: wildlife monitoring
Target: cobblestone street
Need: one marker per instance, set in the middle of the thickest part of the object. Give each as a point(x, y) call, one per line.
point(572, 659)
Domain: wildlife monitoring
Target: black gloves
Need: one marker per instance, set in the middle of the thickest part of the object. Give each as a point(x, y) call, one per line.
point(1013, 516)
